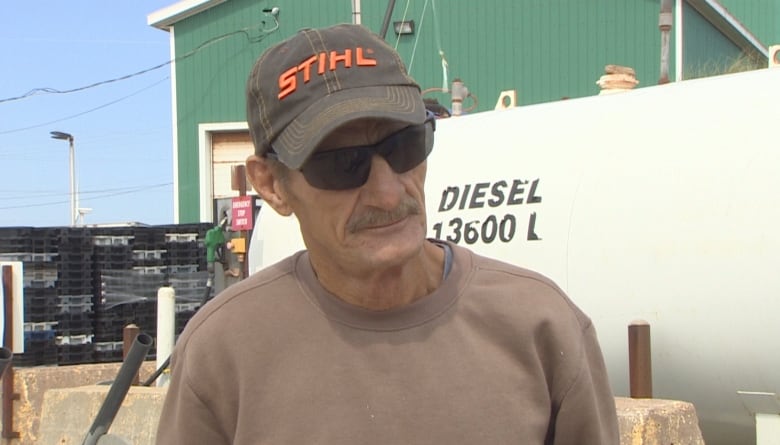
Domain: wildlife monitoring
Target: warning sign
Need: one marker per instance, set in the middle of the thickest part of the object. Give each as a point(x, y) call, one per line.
point(242, 213)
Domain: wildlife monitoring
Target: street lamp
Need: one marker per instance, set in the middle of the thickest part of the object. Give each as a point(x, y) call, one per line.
point(69, 137)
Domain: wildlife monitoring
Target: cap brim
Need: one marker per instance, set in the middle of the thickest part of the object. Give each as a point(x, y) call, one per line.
point(301, 137)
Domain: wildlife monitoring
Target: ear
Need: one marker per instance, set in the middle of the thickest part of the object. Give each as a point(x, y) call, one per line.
point(268, 185)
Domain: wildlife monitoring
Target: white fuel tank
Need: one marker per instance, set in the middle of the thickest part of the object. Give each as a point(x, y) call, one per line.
point(657, 204)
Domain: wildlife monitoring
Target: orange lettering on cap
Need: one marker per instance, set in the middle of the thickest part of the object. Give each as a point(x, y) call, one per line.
point(362, 60)
point(321, 66)
point(336, 58)
point(306, 68)
point(288, 80)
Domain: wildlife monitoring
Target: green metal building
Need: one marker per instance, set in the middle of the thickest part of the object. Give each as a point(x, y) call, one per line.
point(545, 50)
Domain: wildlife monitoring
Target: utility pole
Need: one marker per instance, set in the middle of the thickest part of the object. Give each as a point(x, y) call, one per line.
point(69, 137)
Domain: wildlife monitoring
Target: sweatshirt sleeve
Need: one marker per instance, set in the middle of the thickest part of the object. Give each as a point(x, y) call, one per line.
point(185, 418)
point(587, 412)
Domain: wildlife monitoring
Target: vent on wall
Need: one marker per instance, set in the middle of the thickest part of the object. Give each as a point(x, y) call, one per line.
point(774, 56)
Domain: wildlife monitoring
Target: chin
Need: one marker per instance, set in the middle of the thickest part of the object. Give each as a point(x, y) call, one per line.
point(396, 248)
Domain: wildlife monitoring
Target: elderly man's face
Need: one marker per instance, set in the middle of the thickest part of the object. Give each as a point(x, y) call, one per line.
point(376, 226)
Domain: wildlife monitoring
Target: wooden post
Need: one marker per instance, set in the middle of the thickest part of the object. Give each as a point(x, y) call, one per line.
point(9, 394)
point(639, 360)
point(238, 182)
point(129, 333)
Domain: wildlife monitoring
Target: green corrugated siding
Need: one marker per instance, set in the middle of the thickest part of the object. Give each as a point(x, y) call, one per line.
point(761, 17)
point(706, 51)
point(210, 82)
point(544, 49)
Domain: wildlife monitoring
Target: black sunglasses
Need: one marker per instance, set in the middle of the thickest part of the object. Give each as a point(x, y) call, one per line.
point(348, 168)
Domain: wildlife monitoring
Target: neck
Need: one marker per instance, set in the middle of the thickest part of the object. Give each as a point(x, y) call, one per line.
point(385, 288)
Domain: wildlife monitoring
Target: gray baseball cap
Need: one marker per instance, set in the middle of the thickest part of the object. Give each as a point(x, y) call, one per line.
point(310, 84)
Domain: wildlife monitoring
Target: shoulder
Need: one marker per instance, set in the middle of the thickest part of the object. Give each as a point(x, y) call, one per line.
point(243, 301)
point(509, 286)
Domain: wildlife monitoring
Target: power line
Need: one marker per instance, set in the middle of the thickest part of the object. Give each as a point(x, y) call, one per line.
point(37, 91)
point(15, 130)
point(245, 31)
point(94, 198)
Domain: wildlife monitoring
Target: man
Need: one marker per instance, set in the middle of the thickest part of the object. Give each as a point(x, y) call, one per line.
point(374, 334)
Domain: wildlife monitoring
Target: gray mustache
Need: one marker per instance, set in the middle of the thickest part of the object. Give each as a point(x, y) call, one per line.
point(375, 217)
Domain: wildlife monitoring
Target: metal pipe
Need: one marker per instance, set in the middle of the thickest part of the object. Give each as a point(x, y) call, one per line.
point(356, 16)
point(665, 20)
point(166, 328)
point(6, 356)
point(386, 21)
point(9, 394)
point(116, 394)
point(639, 360)
point(129, 334)
point(72, 155)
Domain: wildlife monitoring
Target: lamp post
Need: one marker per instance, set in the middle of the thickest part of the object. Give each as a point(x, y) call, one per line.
point(69, 137)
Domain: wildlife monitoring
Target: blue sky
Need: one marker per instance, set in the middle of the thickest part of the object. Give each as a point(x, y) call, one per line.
point(122, 129)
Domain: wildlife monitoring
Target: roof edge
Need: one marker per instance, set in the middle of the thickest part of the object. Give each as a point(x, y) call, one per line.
point(166, 17)
point(729, 25)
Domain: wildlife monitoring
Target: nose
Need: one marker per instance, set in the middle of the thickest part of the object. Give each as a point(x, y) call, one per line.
point(384, 188)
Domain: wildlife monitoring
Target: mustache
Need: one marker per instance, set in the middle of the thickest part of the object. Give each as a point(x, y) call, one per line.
point(376, 217)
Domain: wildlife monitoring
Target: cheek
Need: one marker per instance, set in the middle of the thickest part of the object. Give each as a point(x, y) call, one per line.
point(327, 213)
point(415, 181)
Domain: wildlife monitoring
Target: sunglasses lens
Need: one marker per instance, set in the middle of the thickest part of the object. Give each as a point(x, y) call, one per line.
point(348, 168)
point(338, 169)
point(409, 148)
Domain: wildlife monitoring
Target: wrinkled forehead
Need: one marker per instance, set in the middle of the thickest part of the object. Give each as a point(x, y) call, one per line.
point(366, 131)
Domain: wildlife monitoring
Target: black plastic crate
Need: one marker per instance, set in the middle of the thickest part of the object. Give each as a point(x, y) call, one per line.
point(40, 292)
point(133, 309)
point(39, 275)
point(15, 245)
point(16, 232)
point(74, 234)
point(39, 316)
point(40, 301)
point(182, 318)
point(75, 354)
point(46, 233)
point(40, 336)
point(109, 324)
point(75, 286)
point(148, 238)
point(108, 351)
point(70, 327)
point(37, 353)
point(44, 245)
point(116, 264)
point(73, 257)
point(145, 257)
point(107, 330)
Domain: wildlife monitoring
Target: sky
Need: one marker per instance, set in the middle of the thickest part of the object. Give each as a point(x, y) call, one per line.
point(91, 69)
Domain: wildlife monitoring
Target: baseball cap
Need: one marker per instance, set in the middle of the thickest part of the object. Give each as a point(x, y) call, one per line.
point(319, 79)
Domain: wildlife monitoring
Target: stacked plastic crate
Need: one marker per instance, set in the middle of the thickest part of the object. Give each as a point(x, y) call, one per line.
point(83, 285)
point(115, 301)
point(35, 248)
point(149, 275)
point(75, 317)
point(187, 273)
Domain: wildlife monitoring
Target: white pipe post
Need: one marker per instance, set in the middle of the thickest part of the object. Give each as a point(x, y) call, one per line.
point(766, 408)
point(166, 328)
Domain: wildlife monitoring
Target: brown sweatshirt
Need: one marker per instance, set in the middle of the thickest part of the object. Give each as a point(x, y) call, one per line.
point(496, 355)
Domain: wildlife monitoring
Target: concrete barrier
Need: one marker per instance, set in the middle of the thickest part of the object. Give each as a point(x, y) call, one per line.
point(58, 404)
point(32, 383)
point(68, 413)
point(657, 422)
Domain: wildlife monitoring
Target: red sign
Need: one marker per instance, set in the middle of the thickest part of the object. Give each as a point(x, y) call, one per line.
point(242, 213)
